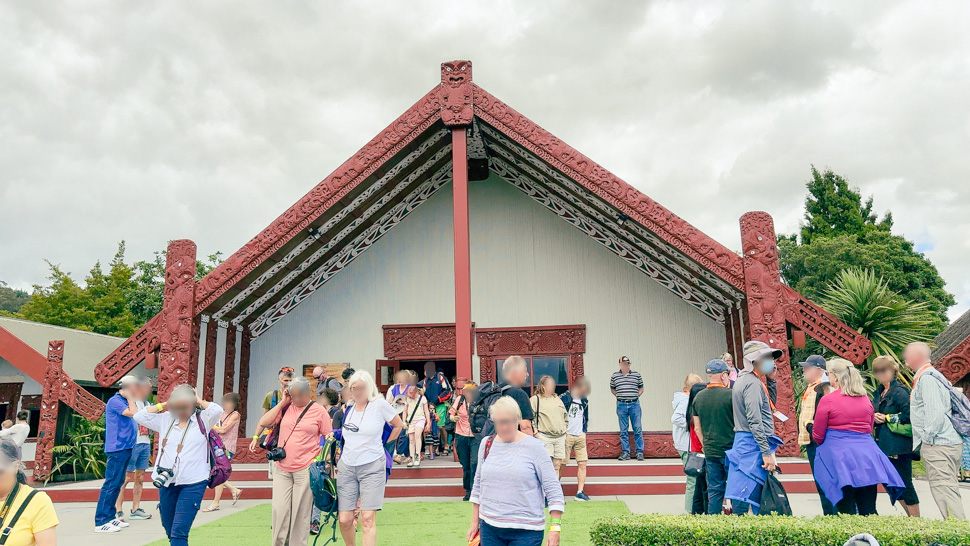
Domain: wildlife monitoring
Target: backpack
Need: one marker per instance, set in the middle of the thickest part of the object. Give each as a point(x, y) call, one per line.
point(219, 466)
point(959, 406)
point(478, 416)
point(774, 499)
point(323, 486)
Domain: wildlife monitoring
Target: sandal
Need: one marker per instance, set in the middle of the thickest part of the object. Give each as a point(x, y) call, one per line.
point(211, 508)
point(235, 496)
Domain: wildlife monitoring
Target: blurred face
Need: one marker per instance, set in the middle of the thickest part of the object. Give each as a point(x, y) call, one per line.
point(285, 380)
point(548, 386)
point(228, 405)
point(884, 374)
point(358, 392)
point(516, 376)
point(429, 369)
point(624, 366)
point(182, 409)
point(300, 398)
point(506, 425)
point(915, 357)
point(317, 372)
point(812, 373)
point(729, 359)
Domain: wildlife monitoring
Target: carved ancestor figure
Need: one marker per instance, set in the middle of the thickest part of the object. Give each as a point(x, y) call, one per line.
point(455, 93)
point(178, 310)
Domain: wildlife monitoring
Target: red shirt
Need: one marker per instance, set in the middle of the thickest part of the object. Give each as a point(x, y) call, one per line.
point(840, 412)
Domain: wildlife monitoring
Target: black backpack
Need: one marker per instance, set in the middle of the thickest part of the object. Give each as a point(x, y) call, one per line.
point(774, 499)
point(478, 417)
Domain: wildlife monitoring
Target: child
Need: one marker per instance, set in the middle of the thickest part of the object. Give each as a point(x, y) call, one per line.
point(418, 421)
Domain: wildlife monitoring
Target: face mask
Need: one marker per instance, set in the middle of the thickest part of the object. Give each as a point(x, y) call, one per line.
point(766, 366)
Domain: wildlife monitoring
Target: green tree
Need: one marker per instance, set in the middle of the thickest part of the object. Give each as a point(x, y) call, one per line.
point(841, 232)
point(145, 297)
point(11, 299)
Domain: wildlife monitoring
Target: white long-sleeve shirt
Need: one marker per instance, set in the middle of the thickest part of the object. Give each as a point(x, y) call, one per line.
point(192, 465)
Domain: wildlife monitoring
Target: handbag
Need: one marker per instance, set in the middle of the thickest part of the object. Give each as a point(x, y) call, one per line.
point(892, 421)
point(694, 465)
point(774, 499)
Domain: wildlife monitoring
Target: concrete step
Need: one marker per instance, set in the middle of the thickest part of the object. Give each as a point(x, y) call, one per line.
point(442, 479)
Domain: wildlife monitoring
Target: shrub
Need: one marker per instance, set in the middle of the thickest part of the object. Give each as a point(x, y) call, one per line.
point(81, 452)
point(685, 530)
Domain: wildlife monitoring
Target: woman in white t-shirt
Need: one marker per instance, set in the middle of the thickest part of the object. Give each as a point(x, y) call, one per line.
point(182, 464)
point(361, 474)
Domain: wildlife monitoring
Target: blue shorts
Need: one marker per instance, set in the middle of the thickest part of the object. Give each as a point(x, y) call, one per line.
point(139, 457)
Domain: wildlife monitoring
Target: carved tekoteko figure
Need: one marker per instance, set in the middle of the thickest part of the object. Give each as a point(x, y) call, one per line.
point(455, 93)
point(178, 310)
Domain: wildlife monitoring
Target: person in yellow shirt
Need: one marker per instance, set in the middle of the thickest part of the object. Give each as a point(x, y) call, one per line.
point(27, 515)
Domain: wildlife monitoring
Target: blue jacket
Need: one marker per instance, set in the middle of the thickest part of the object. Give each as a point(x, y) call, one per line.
point(567, 400)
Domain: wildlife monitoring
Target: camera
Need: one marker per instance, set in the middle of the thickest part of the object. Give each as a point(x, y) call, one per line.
point(276, 454)
point(165, 477)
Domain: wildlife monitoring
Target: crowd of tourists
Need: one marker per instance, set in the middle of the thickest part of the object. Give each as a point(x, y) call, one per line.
point(725, 431)
point(512, 440)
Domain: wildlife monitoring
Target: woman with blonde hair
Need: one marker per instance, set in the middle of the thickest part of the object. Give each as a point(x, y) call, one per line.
point(681, 432)
point(732, 369)
point(549, 421)
point(848, 464)
point(891, 402)
point(417, 418)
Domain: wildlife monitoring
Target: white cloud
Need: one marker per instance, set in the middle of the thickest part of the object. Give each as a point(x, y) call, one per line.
point(155, 121)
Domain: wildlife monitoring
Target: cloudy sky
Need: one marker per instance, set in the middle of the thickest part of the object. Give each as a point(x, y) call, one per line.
point(154, 121)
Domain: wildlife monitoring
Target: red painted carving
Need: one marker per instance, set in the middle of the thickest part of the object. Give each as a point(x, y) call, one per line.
point(229, 376)
point(668, 226)
point(606, 445)
point(10, 394)
point(492, 343)
point(243, 378)
point(178, 311)
point(128, 354)
point(419, 341)
point(455, 93)
point(194, 354)
point(49, 408)
point(766, 311)
point(825, 327)
point(955, 364)
point(209, 364)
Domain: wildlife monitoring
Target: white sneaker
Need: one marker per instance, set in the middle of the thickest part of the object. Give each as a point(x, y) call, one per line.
point(119, 523)
point(107, 528)
point(417, 462)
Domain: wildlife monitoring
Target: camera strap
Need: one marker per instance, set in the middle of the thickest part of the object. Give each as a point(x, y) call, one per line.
point(178, 449)
point(302, 413)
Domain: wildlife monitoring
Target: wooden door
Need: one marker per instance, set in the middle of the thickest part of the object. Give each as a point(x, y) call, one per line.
point(384, 374)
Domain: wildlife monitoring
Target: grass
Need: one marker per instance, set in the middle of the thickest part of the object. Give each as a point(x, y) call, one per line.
point(401, 524)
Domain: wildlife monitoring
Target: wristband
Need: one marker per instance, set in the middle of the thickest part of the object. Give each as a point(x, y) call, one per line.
point(555, 528)
point(255, 437)
point(555, 521)
point(160, 406)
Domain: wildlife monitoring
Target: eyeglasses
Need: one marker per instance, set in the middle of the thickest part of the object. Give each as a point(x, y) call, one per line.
point(351, 427)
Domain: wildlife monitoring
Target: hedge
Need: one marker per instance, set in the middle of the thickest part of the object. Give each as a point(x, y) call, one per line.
point(683, 530)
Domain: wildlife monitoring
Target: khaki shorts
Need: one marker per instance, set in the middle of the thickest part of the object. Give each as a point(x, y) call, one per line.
point(577, 444)
point(555, 446)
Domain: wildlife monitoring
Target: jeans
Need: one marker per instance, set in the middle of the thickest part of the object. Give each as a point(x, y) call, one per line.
point(179, 505)
point(463, 445)
point(628, 413)
point(402, 444)
point(716, 469)
point(502, 536)
point(827, 507)
point(858, 500)
point(114, 478)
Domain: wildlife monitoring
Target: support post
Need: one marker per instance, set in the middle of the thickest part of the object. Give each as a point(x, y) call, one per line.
point(178, 312)
point(463, 297)
point(50, 404)
point(766, 312)
point(243, 378)
point(229, 369)
point(209, 364)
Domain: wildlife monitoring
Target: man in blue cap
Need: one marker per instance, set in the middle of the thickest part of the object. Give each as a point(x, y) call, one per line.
point(713, 417)
point(813, 368)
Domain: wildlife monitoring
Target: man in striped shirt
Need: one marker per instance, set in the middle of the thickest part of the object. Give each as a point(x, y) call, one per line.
point(627, 386)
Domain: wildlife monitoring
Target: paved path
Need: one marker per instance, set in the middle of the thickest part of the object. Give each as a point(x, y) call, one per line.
point(77, 523)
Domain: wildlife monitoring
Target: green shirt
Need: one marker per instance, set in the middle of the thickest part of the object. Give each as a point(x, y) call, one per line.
point(713, 407)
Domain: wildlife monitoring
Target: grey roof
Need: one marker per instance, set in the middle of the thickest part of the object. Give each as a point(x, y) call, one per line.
point(958, 331)
point(82, 350)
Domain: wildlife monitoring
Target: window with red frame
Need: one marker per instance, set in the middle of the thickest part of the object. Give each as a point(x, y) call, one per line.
point(556, 367)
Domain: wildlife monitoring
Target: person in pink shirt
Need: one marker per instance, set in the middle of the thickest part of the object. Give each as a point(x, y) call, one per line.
point(300, 424)
point(458, 413)
point(228, 429)
point(849, 466)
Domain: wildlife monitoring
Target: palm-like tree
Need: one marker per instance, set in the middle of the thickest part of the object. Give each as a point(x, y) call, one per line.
point(865, 302)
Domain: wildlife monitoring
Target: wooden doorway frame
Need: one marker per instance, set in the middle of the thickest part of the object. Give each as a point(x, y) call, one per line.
point(493, 343)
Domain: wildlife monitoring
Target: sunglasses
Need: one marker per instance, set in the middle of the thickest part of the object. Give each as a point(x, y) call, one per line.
point(351, 427)
point(286, 369)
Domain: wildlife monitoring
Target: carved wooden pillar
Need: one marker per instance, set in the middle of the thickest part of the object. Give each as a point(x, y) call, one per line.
point(229, 371)
point(209, 364)
point(194, 353)
point(49, 408)
point(243, 378)
point(766, 312)
point(178, 310)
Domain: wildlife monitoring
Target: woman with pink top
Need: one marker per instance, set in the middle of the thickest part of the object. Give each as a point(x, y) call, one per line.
point(228, 429)
point(849, 466)
point(458, 413)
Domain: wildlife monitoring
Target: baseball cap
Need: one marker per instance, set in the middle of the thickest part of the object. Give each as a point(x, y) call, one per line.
point(625, 359)
point(716, 366)
point(817, 361)
point(754, 349)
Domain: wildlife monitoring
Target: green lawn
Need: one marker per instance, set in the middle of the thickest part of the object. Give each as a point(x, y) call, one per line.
point(409, 523)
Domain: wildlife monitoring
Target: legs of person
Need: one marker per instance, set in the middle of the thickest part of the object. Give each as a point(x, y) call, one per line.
point(137, 487)
point(827, 507)
point(635, 420)
point(865, 500)
point(492, 536)
point(463, 447)
point(186, 508)
point(216, 498)
point(114, 477)
point(372, 481)
point(167, 499)
point(910, 499)
point(282, 506)
point(848, 504)
point(716, 471)
point(942, 465)
point(120, 504)
point(689, 487)
point(699, 500)
point(348, 491)
point(300, 508)
point(623, 416)
point(476, 444)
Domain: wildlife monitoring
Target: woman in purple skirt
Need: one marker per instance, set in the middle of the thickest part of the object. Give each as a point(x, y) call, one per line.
point(849, 465)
